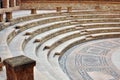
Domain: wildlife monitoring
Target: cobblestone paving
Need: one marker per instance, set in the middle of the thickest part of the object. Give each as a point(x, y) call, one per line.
point(91, 61)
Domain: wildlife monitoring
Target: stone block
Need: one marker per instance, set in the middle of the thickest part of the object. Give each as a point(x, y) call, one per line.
point(1, 17)
point(58, 9)
point(19, 68)
point(69, 9)
point(33, 11)
point(8, 16)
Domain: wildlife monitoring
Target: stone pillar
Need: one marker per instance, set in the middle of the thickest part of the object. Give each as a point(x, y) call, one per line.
point(1, 17)
point(58, 9)
point(18, 2)
point(5, 3)
point(12, 4)
point(33, 11)
point(19, 68)
point(8, 16)
point(69, 9)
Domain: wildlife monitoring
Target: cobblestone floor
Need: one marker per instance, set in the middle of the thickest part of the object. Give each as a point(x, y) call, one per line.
point(94, 60)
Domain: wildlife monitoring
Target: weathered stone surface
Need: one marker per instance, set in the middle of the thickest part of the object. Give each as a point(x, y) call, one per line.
point(33, 11)
point(1, 17)
point(19, 68)
point(69, 9)
point(8, 16)
point(58, 9)
point(48, 4)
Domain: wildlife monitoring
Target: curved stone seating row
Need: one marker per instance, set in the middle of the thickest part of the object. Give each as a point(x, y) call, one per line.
point(37, 22)
point(93, 30)
point(25, 40)
point(13, 34)
point(101, 30)
point(18, 46)
point(60, 39)
point(52, 30)
point(89, 37)
point(38, 31)
point(108, 24)
point(83, 40)
point(97, 20)
point(89, 16)
point(37, 16)
point(106, 35)
point(29, 22)
point(52, 33)
point(5, 38)
point(52, 43)
point(55, 29)
point(41, 29)
point(70, 43)
point(46, 68)
point(32, 23)
point(40, 40)
point(49, 66)
point(31, 17)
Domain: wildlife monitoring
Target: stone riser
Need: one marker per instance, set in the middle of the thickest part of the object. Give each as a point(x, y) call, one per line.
point(74, 35)
point(84, 40)
point(62, 41)
point(100, 25)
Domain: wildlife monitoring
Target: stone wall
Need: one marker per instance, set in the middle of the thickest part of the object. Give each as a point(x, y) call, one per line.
point(105, 5)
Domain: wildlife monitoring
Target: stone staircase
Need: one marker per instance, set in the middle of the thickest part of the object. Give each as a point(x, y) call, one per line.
point(46, 37)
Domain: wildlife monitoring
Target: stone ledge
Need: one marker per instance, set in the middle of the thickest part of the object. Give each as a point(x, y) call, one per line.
point(20, 61)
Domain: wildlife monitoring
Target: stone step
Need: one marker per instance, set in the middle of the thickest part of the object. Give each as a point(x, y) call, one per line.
point(94, 25)
point(54, 32)
point(53, 42)
point(104, 29)
point(106, 35)
point(96, 20)
point(59, 50)
point(44, 65)
point(90, 16)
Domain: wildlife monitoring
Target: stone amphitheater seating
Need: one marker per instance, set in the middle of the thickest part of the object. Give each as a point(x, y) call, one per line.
point(46, 37)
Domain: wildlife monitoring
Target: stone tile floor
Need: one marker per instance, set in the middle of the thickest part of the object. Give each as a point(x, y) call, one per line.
point(93, 60)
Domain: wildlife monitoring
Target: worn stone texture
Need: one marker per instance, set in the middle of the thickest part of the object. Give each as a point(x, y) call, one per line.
point(19, 68)
point(96, 5)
